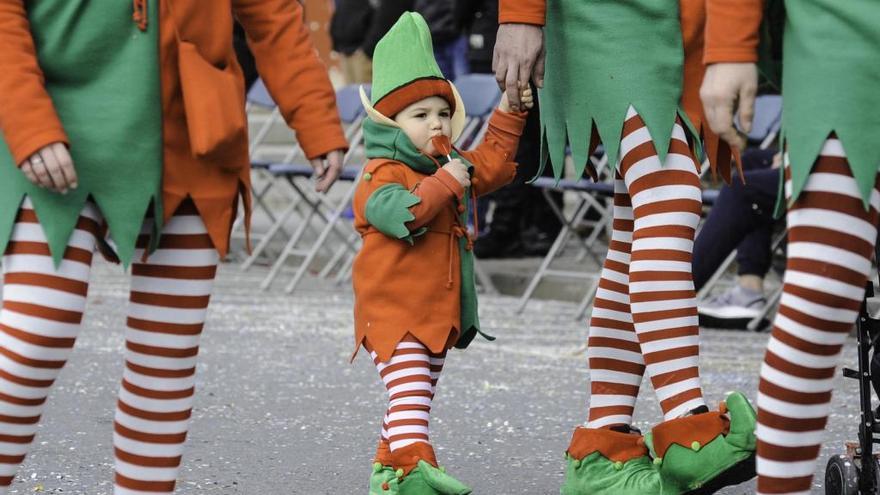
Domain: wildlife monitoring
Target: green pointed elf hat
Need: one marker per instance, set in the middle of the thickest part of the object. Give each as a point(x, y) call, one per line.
point(405, 71)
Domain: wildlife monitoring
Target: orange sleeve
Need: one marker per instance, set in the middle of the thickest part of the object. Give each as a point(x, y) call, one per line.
point(294, 75)
point(28, 120)
point(522, 11)
point(732, 30)
point(435, 193)
point(493, 158)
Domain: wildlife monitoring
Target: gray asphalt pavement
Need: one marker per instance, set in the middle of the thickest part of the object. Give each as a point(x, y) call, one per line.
point(280, 411)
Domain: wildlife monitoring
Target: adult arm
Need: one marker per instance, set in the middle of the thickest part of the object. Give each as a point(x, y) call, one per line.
point(731, 80)
point(296, 78)
point(519, 47)
point(28, 119)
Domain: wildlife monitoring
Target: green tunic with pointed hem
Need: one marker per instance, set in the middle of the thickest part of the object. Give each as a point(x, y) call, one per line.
point(102, 74)
point(602, 57)
point(831, 74)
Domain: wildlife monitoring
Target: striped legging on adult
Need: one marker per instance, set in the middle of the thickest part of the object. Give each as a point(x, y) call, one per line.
point(831, 238)
point(644, 314)
point(40, 320)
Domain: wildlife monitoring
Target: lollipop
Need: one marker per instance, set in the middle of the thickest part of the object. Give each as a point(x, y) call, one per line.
point(442, 145)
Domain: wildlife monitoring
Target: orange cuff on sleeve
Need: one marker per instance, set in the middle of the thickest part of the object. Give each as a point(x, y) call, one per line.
point(522, 12)
point(732, 30)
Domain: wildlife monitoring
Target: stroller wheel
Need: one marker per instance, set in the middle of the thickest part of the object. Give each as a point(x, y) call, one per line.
point(841, 476)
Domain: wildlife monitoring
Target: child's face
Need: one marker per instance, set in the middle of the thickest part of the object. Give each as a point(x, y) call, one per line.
point(425, 119)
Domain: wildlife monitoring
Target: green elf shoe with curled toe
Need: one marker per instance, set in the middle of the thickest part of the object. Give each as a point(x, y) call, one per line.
point(384, 480)
point(426, 479)
point(418, 474)
point(608, 462)
point(704, 452)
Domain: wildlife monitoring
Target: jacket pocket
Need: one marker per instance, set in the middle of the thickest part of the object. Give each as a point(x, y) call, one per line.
point(213, 100)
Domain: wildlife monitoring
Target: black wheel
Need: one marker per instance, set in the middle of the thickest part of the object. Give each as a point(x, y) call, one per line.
point(841, 476)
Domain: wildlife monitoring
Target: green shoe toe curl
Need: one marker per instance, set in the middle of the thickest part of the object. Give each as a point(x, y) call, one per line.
point(383, 481)
point(702, 453)
point(606, 462)
point(426, 479)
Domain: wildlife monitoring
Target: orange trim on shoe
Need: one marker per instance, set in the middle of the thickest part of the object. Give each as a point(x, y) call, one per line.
point(614, 445)
point(383, 453)
point(407, 458)
point(690, 431)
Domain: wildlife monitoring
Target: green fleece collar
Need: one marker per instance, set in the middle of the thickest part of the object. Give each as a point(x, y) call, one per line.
point(384, 141)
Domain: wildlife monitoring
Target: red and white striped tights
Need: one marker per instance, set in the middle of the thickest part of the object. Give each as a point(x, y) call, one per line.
point(410, 377)
point(644, 314)
point(831, 238)
point(40, 320)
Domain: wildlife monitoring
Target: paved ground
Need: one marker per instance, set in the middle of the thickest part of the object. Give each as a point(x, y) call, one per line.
point(280, 410)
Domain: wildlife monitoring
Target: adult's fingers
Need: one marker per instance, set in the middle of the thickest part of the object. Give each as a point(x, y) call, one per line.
point(28, 170)
point(318, 165)
point(746, 107)
point(39, 167)
point(511, 85)
point(538, 70)
point(59, 183)
point(500, 68)
point(66, 163)
point(331, 172)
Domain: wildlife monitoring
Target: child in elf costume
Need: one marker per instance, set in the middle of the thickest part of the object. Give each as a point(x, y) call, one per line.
point(413, 279)
point(618, 72)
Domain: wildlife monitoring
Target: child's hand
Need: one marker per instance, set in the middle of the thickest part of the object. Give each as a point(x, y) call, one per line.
point(459, 171)
point(526, 98)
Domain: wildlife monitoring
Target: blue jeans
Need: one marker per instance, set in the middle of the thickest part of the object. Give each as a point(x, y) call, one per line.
point(741, 219)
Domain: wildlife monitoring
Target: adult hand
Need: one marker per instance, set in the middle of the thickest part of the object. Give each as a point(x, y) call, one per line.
point(52, 168)
point(726, 87)
point(518, 58)
point(327, 169)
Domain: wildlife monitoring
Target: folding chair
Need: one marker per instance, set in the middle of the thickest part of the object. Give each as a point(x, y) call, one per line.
point(312, 208)
point(328, 211)
point(480, 95)
point(258, 97)
point(589, 194)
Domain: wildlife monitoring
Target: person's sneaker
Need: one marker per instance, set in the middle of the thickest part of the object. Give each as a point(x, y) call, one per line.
point(733, 309)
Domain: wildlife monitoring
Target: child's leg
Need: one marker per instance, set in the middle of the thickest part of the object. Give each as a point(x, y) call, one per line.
point(830, 244)
point(168, 302)
point(408, 379)
point(667, 204)
point(383, 452)
point(615, 357)
point(40, 319)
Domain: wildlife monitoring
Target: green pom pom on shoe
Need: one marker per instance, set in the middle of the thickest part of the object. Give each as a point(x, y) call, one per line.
point(384, 480)
point(606, 462)
point(702, 453)
point(598, 475)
